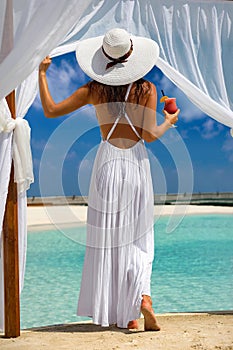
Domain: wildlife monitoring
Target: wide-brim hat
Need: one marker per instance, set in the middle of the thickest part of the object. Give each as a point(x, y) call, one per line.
point(117, 58)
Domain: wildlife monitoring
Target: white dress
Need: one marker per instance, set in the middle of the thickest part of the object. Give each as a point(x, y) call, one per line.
point(120, 236)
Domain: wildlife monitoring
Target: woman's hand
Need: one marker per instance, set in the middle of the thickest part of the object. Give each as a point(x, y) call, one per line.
point(44, 65)
point(171, 118)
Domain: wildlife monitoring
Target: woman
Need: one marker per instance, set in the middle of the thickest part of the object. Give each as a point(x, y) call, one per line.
point(117, 269)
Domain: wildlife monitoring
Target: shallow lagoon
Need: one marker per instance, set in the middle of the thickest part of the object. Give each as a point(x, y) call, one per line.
point(192, 270)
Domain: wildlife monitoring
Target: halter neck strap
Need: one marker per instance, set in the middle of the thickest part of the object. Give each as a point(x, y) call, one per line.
point(128, 91)
point(123, 113)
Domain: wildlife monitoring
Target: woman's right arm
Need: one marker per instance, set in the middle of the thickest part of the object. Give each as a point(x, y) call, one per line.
point(151, 131)
point(51, 109)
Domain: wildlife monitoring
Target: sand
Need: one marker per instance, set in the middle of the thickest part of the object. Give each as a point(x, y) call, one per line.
point(203, 331)
point(77, 214)
point(179, 332)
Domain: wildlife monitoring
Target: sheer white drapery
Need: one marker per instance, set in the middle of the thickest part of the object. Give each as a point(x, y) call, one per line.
point(38, 27)
point(195, 40)
point(15, 143)
point(196, 49)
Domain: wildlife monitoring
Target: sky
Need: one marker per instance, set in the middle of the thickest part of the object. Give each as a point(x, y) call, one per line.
point(196, 156)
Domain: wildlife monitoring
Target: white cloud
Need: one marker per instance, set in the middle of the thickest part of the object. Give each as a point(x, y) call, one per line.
point(184, 134)
point(63, 80)
point(68, 74)
point(60, 81)
point(210, 129)
point(166, 85)
point(37, 103)
point(188, 111)
point(71, 155)
point(230, 157)
point(228, 147)
point(38, 144)
point(228, 144)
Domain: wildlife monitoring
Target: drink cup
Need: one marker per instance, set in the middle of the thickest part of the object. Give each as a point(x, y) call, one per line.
point(170, 105)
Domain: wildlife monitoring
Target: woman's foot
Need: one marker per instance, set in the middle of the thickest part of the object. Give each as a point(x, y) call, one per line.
point(150, 323)
point(133, 324)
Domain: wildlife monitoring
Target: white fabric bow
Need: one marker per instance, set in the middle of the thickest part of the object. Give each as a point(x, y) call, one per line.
point(21, 149)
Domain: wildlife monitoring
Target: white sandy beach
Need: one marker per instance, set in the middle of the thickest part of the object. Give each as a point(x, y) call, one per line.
point(178, 332)
point(204, 331)
point(77, 214)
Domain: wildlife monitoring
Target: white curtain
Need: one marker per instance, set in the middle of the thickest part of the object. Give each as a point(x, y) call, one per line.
point(195, 40)
point(37, 28)
point(196, 50)
point(15, 143)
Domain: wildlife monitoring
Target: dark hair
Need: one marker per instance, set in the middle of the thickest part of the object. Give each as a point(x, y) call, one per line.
point(110, 93)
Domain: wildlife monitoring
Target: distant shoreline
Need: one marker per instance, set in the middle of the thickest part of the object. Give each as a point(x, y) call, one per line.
point(206, 198)
point(44, 217)
point(72, 210)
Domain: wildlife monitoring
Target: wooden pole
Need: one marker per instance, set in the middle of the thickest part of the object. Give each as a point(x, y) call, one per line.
point(10, 251)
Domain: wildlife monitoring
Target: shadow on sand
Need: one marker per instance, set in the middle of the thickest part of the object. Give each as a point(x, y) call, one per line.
point(85, 327)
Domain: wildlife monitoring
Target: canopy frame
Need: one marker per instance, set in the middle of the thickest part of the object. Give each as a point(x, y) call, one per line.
point(11, 250)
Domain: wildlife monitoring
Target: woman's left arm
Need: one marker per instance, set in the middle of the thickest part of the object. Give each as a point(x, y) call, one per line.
point(51, 109)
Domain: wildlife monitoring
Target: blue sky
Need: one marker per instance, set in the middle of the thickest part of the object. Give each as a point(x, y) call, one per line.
point(196, 156)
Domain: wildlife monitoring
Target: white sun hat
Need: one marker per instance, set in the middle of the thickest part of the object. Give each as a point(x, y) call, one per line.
point(117, 58)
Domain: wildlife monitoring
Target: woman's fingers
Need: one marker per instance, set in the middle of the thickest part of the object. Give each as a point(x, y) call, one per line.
point(172, 118)
point(48, 59)
point(44, 65)
point(168, 114)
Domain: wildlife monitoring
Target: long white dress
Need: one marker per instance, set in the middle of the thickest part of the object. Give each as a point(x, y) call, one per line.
point(120, 236)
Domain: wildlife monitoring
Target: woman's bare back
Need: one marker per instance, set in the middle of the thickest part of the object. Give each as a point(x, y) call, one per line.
point(123, 135)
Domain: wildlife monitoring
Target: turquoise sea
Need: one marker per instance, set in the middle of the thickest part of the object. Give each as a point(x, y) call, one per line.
point(192, 271)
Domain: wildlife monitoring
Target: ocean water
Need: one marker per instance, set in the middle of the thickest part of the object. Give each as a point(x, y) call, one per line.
point(192, 271)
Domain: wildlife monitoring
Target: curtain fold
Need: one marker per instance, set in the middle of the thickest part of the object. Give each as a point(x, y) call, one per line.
point(196, 45)
point(38, 27)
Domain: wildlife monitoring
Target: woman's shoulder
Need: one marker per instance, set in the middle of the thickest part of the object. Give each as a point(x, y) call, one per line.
point(148, 83)
point(141, 90)
point(148, 87)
